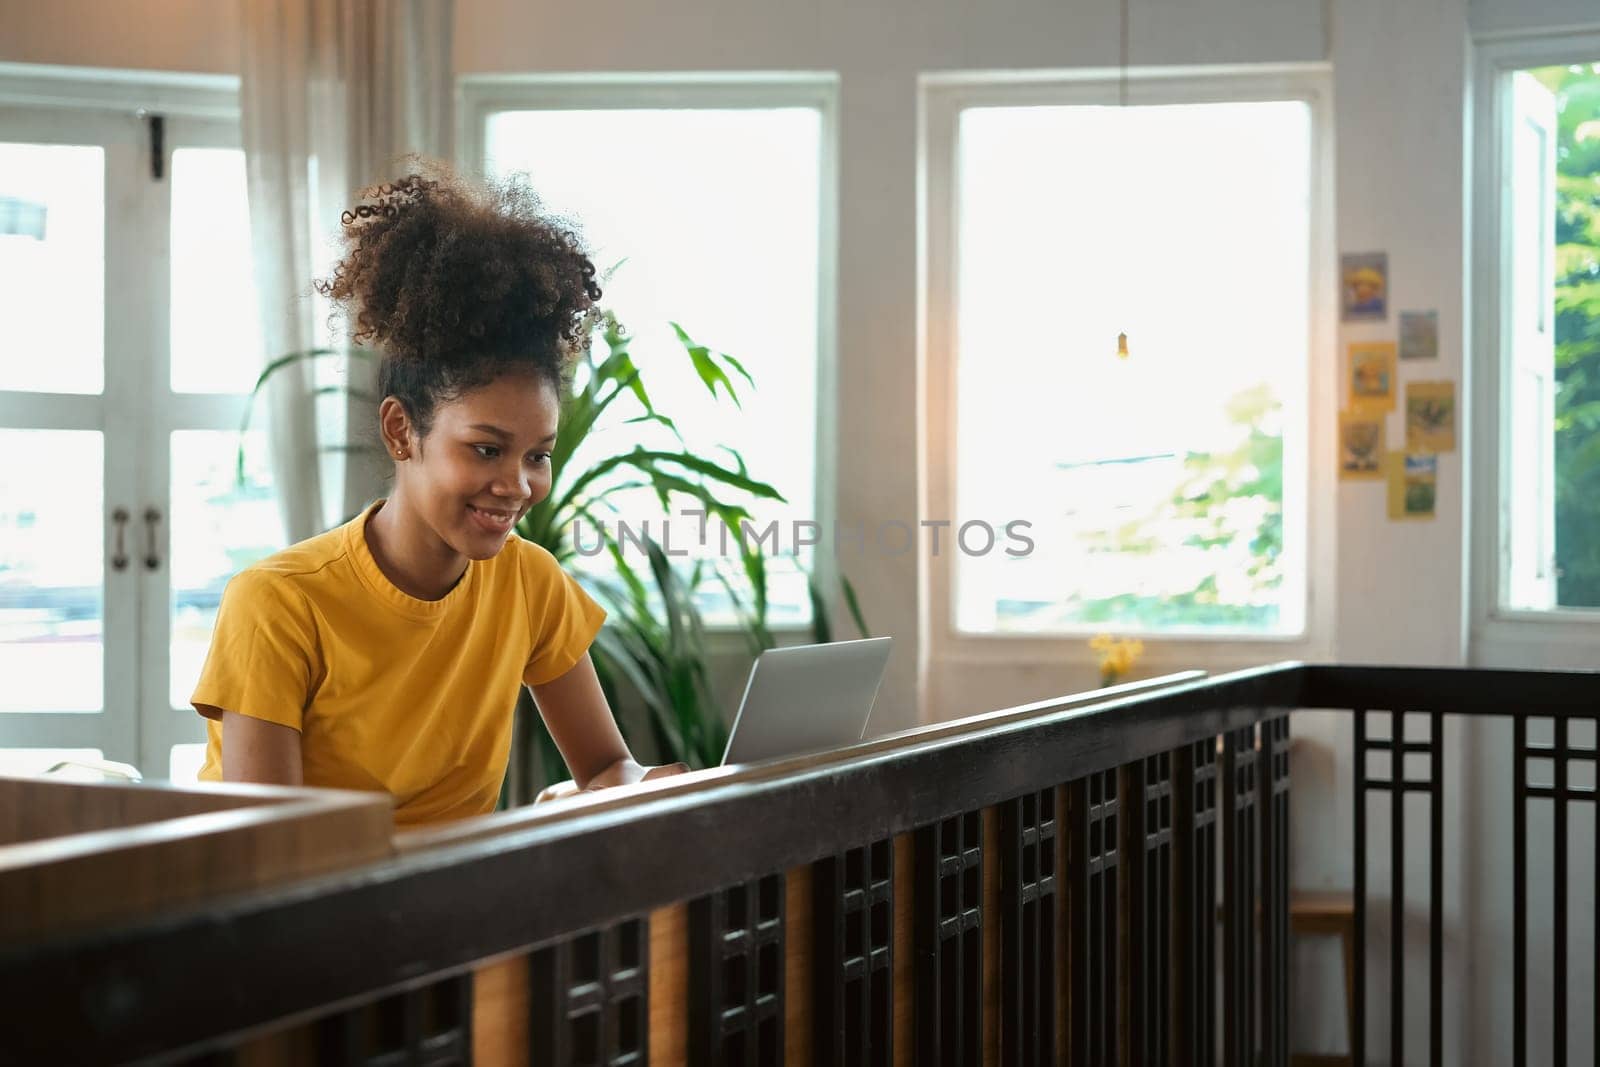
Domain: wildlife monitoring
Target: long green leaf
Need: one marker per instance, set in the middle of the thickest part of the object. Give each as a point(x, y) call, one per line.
point(855, 606)
point(705, 365)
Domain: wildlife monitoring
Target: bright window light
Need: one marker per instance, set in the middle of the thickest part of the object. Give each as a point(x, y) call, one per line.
point(1165, 491)
point(708, 218)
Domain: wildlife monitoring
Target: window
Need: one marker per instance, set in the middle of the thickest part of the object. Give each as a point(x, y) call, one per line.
point(705, 204)
point(1165, 491)
point(1549, 337)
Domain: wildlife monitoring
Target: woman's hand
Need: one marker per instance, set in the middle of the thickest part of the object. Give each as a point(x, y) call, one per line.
point(627, 772)
point(623, 772)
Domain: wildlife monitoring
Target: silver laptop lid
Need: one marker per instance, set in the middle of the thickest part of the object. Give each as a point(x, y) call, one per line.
point(807, 697)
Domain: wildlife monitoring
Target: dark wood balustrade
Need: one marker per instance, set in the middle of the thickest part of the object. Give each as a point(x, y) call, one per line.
point(1038, 885)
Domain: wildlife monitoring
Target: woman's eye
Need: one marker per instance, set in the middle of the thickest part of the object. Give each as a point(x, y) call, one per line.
point(541, 457)
point(487, 451)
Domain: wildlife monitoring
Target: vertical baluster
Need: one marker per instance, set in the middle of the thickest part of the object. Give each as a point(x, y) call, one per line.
point(1079, 949)
point(1156, 890)
point(949, 1021)
point(1096, 930)
point(1060, 972)
point(1231, 893)
point(1273, 794)
point(588, 996)
point(1519, 891)
point(1133, 1024)
point(1358, 1036)
point(1397, 887)
point(1208, 844)
point(1239, 847)
point(852, 954)
point(1027, 1031)
point(1013, 834)
point(1183, 864)
point(1436, 890)
point(1109, 929)
point(1559, 887)
point(736, 974)
point(1148, 847)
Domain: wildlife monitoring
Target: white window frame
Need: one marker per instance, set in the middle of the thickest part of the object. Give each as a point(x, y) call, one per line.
point(1506, 637)
point(481, 95)
point(943, 96)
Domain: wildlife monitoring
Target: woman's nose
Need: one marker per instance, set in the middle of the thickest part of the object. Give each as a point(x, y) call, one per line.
point(513, 482)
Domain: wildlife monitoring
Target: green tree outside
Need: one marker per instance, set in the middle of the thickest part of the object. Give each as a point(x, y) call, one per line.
point(1577, 333)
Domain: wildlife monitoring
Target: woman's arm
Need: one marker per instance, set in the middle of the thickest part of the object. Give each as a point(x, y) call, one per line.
point(580, 721)
point(254, 750)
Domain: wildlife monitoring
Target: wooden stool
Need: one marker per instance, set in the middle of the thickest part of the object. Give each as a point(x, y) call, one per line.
point(1329, 915)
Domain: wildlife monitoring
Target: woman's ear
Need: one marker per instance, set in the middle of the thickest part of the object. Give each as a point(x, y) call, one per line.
point(394, 426)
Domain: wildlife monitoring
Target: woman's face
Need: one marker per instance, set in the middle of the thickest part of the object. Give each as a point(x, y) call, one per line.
point(484, 463)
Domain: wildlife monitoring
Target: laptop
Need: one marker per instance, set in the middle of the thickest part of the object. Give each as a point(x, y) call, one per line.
point(806, 698)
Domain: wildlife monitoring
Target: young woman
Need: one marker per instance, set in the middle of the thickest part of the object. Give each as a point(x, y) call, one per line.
point(386, 654)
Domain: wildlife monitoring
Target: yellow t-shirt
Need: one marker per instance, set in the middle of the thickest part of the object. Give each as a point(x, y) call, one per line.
point(411, 697)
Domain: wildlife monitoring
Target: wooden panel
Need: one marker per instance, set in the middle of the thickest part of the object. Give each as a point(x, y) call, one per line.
point(500, 1012)
point(32, 809)
point(797, 964)
point(669, 986)
point(55, 884)
point(905, 913)
point(992, 933)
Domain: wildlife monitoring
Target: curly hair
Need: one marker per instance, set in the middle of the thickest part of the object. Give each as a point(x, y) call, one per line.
point(461, 281)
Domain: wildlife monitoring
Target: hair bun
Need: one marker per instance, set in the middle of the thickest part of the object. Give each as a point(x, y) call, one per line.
point(388, 199)
point(439, 267)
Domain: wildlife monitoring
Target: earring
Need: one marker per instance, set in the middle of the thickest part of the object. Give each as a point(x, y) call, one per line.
point(399, 453)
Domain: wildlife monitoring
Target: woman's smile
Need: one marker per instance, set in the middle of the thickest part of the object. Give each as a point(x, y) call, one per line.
point(494, 520)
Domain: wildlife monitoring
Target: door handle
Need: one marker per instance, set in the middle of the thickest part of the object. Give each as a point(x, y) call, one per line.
point(151, 518)
point(119, 553)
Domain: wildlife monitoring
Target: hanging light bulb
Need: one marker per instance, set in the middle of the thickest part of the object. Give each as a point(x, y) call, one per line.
point(1122, 346)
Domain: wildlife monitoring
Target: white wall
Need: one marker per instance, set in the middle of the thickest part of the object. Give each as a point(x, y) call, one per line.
point(1399, 121)
point(183, 35)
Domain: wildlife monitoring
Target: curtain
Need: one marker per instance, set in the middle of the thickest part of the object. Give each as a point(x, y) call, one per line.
point(332, 94)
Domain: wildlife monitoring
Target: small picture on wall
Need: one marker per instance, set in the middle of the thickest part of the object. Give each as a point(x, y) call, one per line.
point(1360, 446)
point(1430, 416)
point(1419, 335)
point(1413, 484)
point(1364, 286)
point(1370, 377)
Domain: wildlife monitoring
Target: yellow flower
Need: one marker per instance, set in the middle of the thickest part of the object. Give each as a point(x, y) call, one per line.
point(1116, 655)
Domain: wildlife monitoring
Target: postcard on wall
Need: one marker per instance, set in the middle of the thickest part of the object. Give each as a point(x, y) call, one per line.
point(1413, 484)
point(1360, 446)
point(1430, 416)
point(1419, 335)
point(1364, 286)
point(1370, 376)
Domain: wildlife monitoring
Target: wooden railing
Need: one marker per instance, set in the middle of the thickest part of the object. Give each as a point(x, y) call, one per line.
point(1035, 886)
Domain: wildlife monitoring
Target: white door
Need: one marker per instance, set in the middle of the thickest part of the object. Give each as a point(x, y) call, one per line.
point(127, 345)
point(74, 215)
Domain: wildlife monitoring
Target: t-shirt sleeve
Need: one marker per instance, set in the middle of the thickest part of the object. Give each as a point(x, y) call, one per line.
point(563, 618)
point(264, 653)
